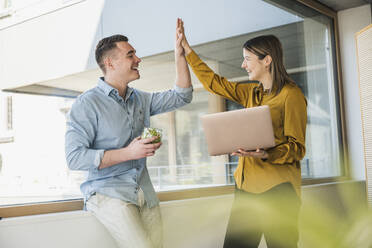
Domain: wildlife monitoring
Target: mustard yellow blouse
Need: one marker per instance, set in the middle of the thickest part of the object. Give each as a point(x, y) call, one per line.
point(289, 117)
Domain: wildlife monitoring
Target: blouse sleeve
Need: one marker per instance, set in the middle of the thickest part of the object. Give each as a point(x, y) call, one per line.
point(295, 120)
point(216, 84)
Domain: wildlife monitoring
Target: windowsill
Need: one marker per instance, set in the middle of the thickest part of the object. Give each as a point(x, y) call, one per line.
point(341, 180)
point(73, 205)
point(319, 181)
point(4, 140)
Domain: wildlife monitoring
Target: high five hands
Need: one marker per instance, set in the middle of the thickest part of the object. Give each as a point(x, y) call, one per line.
point(179, 50)
point(181, 38)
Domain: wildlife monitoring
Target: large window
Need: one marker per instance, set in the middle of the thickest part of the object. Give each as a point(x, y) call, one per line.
point(33, 161)
point(309, 58)
point(32, 127)
point(309, 54)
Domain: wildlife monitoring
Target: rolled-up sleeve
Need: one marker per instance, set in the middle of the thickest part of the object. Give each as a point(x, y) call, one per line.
point(170, 100)
point(295, 120)
point(81, 128)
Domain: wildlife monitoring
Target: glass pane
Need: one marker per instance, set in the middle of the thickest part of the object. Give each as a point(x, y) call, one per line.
point(191, 145)
point(309, 59)
point(33, 165)
point(162, 122)
point(320, 86)
point(308, 45)
point(189, 163)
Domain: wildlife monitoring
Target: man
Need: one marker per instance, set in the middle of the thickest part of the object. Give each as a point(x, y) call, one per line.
point(102, 137)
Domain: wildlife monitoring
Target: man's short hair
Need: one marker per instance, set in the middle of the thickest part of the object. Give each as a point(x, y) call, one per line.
point(105, 45)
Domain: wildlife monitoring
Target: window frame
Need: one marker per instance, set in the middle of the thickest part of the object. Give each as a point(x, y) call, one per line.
point(345, 169)
point(77, 204)
point(6, 132)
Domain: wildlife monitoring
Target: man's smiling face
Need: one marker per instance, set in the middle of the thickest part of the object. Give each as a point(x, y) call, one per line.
point(125, 61)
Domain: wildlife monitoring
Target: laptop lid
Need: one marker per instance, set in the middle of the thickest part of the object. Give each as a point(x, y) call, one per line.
point(248, 128)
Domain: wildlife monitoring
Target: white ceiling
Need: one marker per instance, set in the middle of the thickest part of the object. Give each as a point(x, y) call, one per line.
point(158, 71)
point(224, 56)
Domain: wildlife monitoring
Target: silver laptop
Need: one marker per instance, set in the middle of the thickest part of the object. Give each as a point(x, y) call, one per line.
point(248, 128)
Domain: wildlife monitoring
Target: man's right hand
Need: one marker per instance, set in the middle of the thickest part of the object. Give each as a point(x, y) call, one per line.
point(138, 148)
point(141, 148)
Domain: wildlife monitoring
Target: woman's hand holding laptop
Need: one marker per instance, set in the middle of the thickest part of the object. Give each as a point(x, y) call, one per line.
point(259, 153)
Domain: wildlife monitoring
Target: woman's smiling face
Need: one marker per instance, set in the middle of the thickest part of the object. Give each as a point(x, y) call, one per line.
point(253, 65)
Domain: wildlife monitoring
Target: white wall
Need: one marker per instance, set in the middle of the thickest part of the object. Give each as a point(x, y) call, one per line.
point(350, 22)
point(195, 223)
point(187, 223)
point(71, 229)
point(49, 46)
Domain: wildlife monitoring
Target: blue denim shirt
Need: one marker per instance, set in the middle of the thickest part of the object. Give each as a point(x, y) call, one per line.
point(101, 120)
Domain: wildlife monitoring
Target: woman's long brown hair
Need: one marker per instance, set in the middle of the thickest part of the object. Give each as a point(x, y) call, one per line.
point(270, 45)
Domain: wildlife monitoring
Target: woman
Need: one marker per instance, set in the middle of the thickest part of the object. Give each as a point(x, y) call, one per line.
point(267, 196)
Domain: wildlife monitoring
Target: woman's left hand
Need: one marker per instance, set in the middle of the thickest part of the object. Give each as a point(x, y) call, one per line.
point(259, 153)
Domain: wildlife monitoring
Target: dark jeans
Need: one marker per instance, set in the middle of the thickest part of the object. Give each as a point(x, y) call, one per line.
point(273, 213)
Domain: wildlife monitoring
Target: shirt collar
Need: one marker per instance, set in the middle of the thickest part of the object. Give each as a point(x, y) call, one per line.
point(107, 89)
point(104, 86)
point(259, 90)
point(128, 93)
